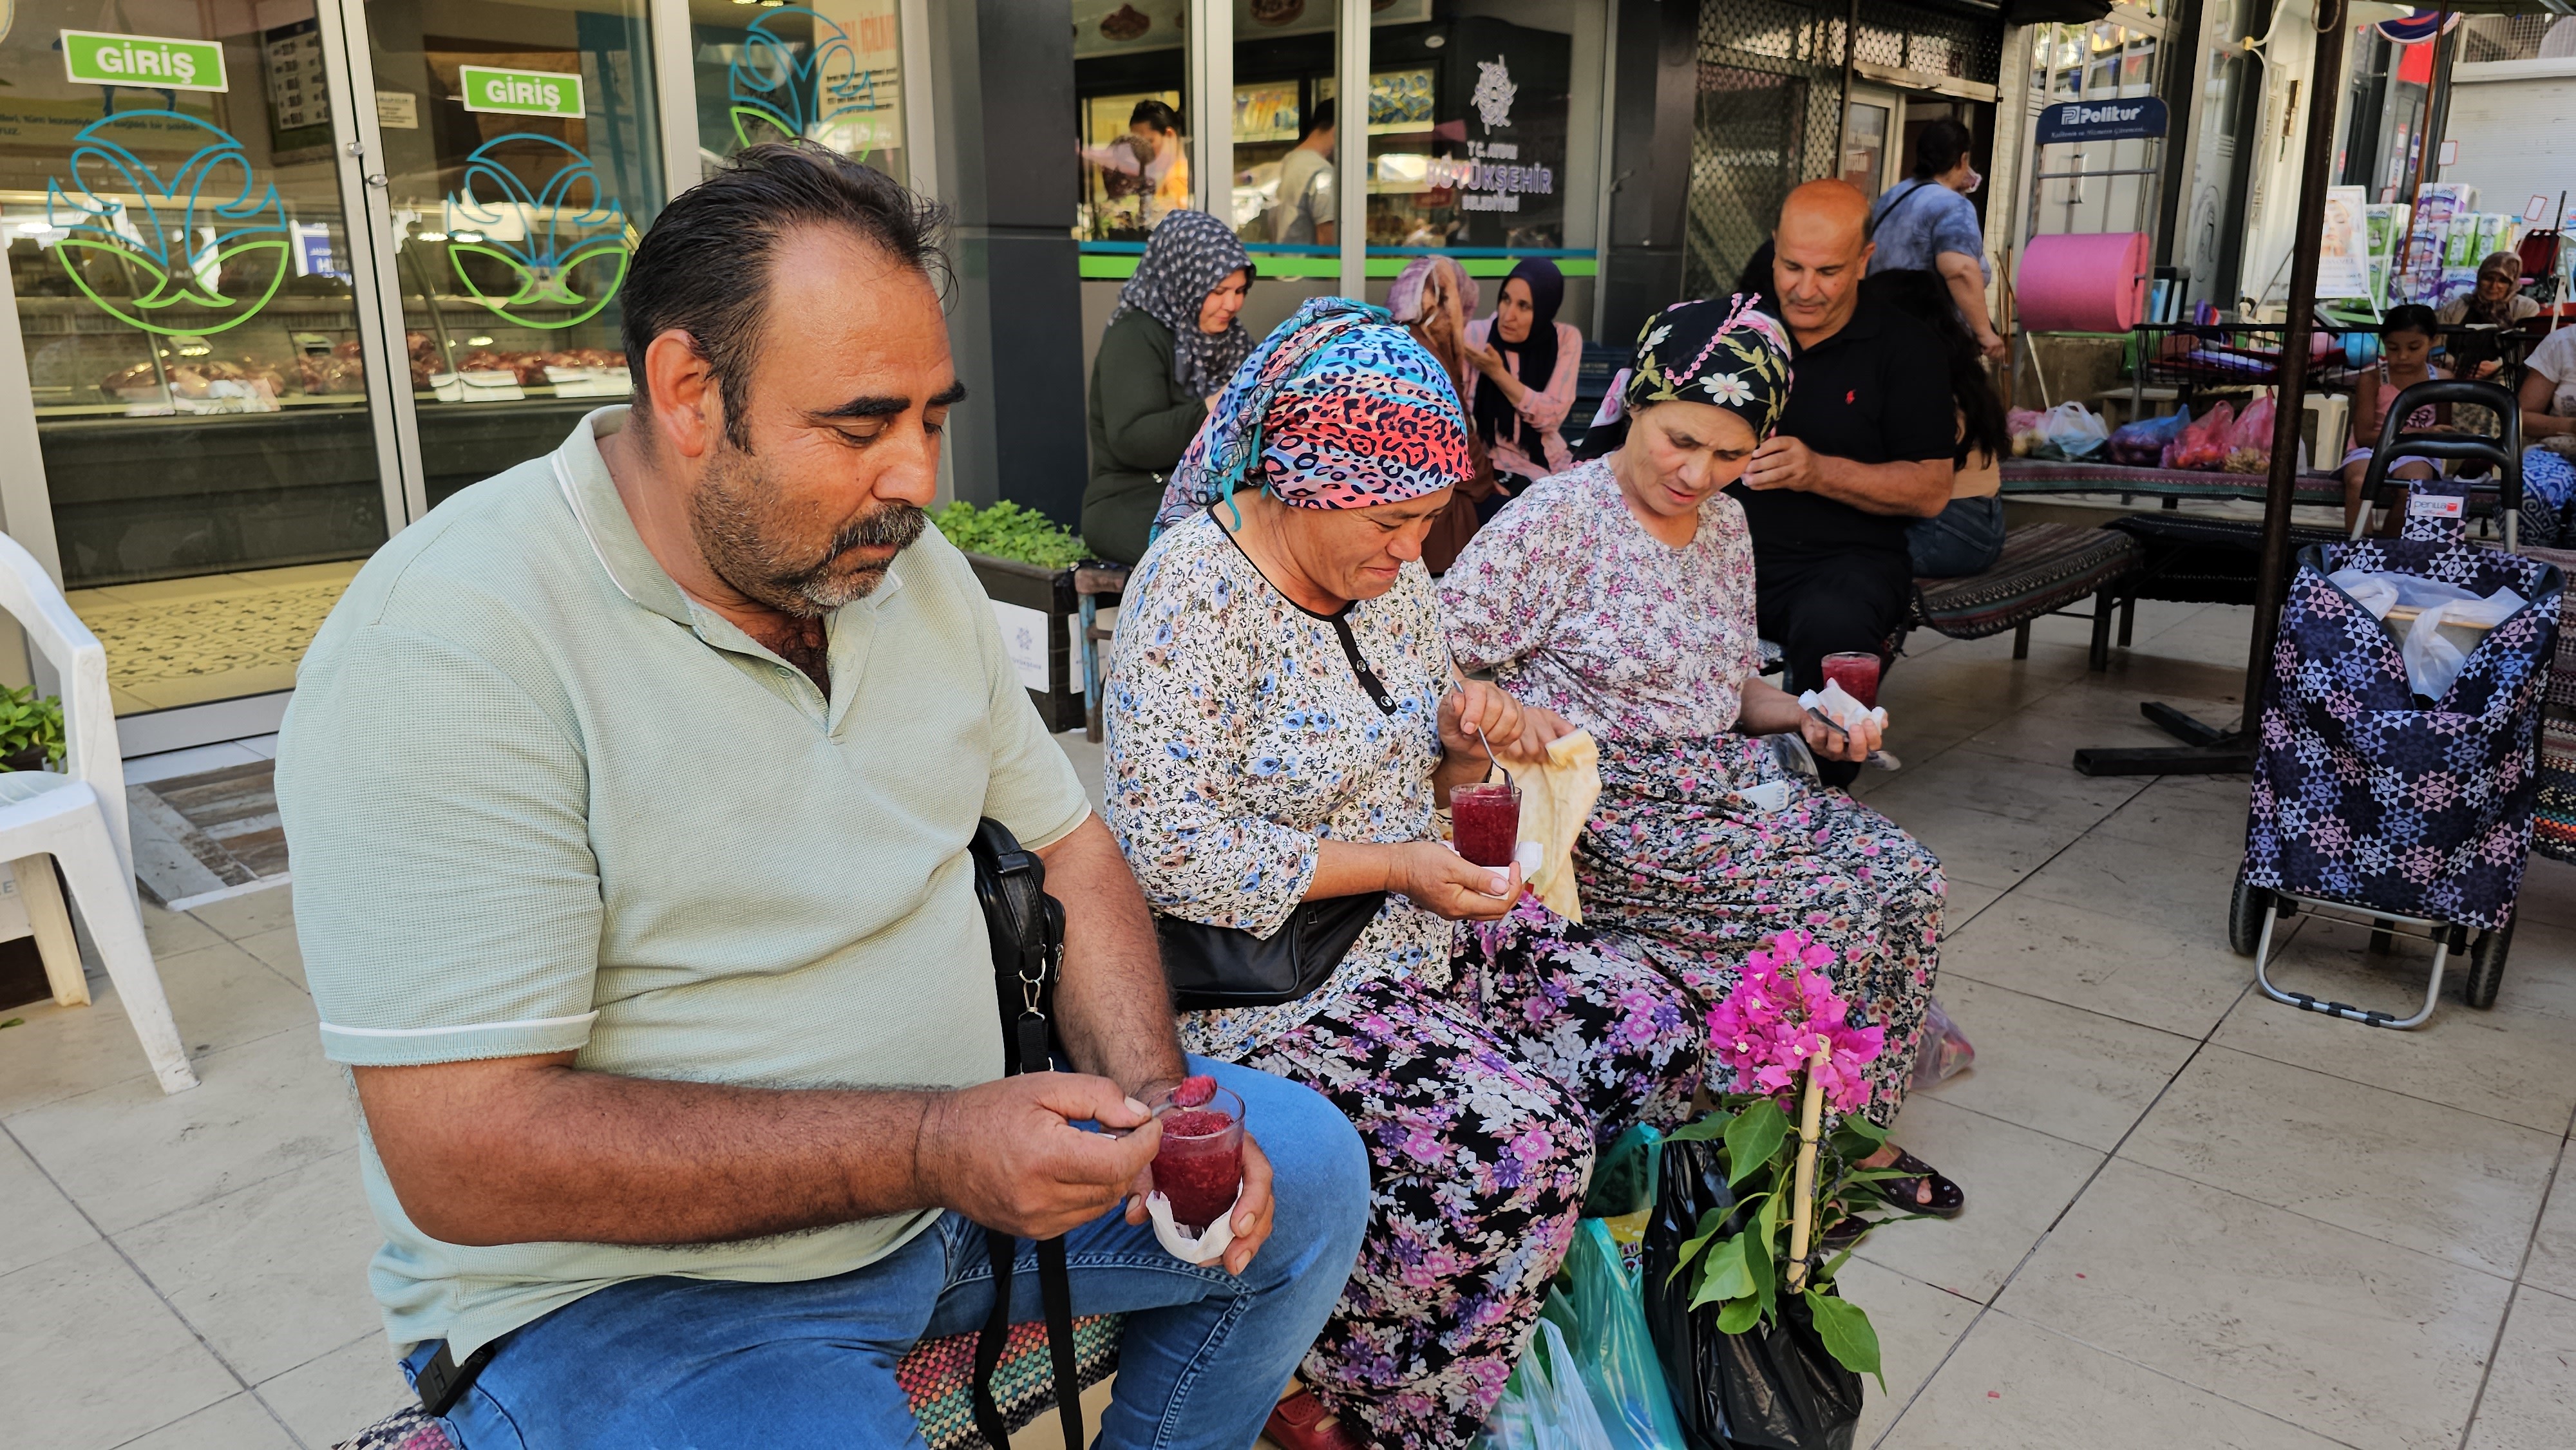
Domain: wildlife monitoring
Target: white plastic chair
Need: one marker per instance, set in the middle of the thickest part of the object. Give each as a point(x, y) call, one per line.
point(79, 820)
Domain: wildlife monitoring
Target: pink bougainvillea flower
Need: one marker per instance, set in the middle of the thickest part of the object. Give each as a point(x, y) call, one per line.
point(1785, 1018)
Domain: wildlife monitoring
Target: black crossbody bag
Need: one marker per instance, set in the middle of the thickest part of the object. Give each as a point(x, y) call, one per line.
point(1225, 966)
point(1027, 930)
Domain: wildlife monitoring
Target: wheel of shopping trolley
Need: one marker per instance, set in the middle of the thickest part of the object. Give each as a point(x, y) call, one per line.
point(2486, 967)
point(2245, 915)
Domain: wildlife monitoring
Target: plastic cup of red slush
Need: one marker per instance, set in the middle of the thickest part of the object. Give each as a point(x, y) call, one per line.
point(1857, 673)
point(1485, 822)
point(1199, 1166)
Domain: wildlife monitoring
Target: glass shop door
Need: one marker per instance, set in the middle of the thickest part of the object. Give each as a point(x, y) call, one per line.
point(179, 255)
point(285, 275)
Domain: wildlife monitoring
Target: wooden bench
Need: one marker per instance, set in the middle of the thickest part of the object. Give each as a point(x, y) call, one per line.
point(2043, 570)
point(936, 1377)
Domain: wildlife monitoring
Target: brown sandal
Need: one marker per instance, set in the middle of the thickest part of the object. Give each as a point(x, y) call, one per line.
point(1297, 1423)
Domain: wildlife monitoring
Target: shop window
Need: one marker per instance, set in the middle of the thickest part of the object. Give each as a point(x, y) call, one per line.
point(522, 166)
point(1469, 117)
point(1285, 193)
point(1131, 142)
point(829, 71)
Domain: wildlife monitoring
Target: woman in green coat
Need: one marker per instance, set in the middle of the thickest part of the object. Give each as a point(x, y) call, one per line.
point(1167, 352)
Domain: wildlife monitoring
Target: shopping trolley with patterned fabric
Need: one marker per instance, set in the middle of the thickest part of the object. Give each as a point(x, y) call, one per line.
point(2369, 804)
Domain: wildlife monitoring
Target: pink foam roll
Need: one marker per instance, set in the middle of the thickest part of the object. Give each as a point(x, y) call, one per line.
point(2084, 282)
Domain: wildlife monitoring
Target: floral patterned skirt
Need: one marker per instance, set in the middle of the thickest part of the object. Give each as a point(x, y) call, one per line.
point(1481, 1105)
point(1684, 871)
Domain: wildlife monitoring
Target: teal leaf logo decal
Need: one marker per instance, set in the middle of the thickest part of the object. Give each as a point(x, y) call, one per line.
point(531, 247)
point(783, 89)
point(209, 238)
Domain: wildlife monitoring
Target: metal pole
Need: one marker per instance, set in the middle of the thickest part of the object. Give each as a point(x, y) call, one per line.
point(1842, 118)
point(2271, 579)
point(2215, 751)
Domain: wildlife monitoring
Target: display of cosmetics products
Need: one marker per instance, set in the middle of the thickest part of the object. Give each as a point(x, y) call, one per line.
point(2387, 225)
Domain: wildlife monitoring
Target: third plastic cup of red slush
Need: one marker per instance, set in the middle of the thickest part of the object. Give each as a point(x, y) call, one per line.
point(1485, 821)
point(1857, 673)
point(1199, 1165)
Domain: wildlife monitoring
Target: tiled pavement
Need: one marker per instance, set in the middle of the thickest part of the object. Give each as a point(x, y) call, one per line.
point(2199, 1219)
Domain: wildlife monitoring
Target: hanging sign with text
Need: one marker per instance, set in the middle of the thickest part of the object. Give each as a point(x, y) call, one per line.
point(94, 58)
point(520, 92)
point(2112, 120)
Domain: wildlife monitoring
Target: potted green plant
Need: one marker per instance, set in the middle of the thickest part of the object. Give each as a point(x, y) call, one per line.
point(1026, 559)
point(31, 729)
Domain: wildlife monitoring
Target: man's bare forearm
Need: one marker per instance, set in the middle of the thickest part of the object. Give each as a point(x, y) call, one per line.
point(1113, 1004)
point(1906, 489)
point(530, 1150)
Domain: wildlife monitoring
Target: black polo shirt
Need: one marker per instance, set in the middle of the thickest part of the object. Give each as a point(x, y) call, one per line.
point(1876, 392)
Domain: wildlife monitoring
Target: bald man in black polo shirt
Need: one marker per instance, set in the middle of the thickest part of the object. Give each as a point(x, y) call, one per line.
point(1864, 449)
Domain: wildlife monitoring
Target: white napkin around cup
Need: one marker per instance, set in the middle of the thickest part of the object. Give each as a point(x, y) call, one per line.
point(1205, 1248)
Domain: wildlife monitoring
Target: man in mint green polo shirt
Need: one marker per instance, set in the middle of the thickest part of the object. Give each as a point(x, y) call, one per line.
point(629, 794)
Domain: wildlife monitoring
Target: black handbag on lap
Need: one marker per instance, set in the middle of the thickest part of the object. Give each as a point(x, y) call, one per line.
point(1224, 966)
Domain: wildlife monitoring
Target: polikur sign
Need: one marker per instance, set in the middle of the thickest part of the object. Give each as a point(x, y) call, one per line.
point(2116, 120)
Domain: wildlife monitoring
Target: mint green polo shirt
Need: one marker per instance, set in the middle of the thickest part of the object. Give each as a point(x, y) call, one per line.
point(539, 801)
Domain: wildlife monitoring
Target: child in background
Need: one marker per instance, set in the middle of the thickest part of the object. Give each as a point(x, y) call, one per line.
point(2406, 339)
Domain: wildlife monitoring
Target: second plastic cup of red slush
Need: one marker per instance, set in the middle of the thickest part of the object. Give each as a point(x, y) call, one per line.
point(1199, 1166)
point(1485, 821)
point(1857, 673)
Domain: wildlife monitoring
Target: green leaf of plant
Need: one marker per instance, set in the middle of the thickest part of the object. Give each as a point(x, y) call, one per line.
point(1760, 1258)
point(1706, 1130)
point(1738, 1316)
point(1752, 1138)
point(1867, 1131)
point(1723, 1274)
point(1847, 1334)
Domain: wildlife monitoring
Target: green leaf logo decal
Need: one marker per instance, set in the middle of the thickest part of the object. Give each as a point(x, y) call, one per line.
point(570, 250)
point(183, 244)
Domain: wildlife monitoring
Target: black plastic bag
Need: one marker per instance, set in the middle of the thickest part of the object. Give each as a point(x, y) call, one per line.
point(1773, 1387)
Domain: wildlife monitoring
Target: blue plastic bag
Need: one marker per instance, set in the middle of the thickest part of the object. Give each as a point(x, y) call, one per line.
point(1545, 1407)
point(1602, 1315)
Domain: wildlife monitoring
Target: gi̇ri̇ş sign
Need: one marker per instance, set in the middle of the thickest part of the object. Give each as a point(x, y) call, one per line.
point(520, 92)
point(94, 58)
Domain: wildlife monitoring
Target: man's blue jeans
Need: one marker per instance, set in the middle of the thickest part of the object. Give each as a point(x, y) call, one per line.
point(692, 1364)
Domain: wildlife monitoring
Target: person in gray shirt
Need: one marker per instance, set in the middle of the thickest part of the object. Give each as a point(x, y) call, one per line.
point(1306, 209)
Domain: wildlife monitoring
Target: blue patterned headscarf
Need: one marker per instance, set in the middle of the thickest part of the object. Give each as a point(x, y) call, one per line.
point(1339, 408)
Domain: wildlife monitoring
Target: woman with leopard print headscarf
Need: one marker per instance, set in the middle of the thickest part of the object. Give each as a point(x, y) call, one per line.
point(1284, 722)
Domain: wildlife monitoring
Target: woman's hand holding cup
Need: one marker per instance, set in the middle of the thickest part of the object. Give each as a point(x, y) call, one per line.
point(1446, 884)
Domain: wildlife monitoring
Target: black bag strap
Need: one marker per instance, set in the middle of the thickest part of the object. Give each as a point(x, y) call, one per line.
point(1026, 927)
point(1869, 232)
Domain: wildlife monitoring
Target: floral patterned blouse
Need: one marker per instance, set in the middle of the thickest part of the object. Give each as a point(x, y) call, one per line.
point(1574, 606)
point(1239, 739)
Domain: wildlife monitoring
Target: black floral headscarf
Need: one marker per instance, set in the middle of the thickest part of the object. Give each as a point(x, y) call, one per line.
point(1730, 354)
point(1189, 253)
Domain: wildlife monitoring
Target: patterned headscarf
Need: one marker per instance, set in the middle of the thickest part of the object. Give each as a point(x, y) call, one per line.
point(1729, 354)
point(1404, 296)
point(1189, 253)
point(1339, 408)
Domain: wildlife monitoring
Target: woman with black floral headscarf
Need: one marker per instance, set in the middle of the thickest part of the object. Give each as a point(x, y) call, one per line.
point(1168, 349)
point(1619, 595)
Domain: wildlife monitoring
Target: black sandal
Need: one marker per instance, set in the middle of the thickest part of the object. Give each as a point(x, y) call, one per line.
point(1947, 1199)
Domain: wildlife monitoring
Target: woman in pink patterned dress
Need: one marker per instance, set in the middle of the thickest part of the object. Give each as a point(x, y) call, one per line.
point(1619, 594)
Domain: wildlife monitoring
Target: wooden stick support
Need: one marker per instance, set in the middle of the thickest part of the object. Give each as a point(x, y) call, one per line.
point(1802, 1209)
